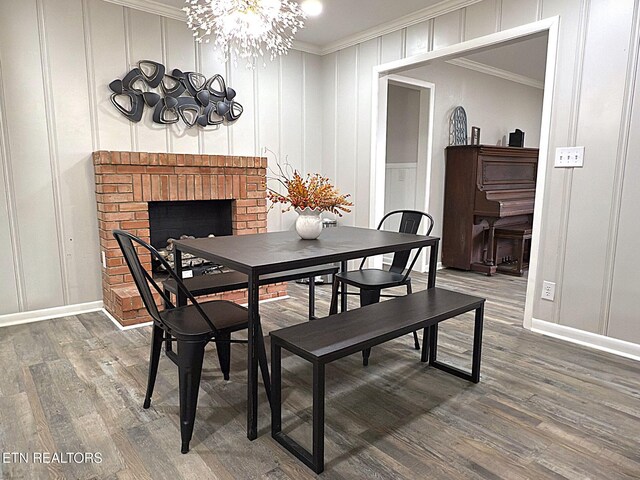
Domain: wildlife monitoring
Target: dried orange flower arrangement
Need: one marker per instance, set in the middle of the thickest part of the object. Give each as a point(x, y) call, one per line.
point(315, 192)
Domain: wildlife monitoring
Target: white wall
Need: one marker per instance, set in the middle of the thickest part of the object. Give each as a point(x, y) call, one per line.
point(589, 235)
point(403, 118)
point(318, 110)
point(403, 134)
point(56, 59)
point(495, 105)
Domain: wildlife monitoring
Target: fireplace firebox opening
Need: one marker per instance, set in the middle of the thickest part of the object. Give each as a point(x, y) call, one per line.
point(170, 220)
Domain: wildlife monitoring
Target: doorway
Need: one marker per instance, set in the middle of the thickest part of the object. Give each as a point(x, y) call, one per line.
point(409, 135)
point(382, 73)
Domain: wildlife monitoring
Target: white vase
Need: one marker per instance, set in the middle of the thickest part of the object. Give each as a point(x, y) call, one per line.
point(308, 223)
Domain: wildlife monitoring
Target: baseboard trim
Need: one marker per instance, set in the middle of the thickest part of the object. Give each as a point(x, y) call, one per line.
point(439, 266)
point(121, 327)
point(587, 339)
point(49, 313)
point(148, 324)
point(269, 300)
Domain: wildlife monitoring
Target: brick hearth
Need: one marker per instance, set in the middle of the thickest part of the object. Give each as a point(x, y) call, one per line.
point(127, 181)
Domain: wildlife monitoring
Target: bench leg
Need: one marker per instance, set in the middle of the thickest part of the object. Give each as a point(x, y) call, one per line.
point(318, 418)
point(474, 376)
point(477, 344)
point(276, 388)
point(315, 458)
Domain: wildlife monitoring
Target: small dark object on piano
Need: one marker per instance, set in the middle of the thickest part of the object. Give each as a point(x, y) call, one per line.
point(475, 135)
point(516, 139)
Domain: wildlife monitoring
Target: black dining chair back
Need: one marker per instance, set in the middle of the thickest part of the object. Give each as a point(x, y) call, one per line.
point(143, 279)
point(410, 221)
point(371, 282)
point(191, 326)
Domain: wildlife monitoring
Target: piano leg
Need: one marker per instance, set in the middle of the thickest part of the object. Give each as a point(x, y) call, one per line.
point(488, 265)
point(489, 260)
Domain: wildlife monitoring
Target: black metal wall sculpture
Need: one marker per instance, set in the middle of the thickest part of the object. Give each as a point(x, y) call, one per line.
point(187, 96)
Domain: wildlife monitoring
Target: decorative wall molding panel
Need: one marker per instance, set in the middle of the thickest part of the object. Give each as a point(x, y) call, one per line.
point(188, 96)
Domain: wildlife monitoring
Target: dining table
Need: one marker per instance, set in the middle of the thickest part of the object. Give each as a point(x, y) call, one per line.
point(264, 253)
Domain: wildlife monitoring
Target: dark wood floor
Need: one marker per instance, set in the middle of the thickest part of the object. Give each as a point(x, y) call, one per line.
point(544, 408)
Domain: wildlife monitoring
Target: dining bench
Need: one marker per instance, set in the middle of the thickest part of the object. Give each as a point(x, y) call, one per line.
point(231, 280)
point(350, 332)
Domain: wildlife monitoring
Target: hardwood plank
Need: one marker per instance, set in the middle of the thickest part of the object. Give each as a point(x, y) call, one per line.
point(544, 408)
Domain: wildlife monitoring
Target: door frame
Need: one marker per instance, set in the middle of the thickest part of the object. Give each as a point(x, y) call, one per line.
point(425, 136)
point(378, 134)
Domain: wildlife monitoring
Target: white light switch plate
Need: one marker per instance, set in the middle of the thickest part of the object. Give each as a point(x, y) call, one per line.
point(568, 157)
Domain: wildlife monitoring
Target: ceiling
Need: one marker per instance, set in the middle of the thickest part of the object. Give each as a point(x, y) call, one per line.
point(527, 57)
point(343, 18)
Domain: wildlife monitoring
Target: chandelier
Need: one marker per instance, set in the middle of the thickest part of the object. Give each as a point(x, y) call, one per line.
point(246, 29)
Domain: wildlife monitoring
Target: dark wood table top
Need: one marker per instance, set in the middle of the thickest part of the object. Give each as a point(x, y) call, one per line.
point(279, 251)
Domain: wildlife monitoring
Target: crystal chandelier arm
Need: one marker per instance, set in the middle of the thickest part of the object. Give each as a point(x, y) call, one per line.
point(248, 29)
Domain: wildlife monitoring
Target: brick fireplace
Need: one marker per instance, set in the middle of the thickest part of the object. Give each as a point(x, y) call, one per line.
point(126, 182)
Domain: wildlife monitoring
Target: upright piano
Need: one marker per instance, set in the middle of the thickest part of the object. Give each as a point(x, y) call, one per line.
point(485, 187)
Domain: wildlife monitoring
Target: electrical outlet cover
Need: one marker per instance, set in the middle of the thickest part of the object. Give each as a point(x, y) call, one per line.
point(548, 291)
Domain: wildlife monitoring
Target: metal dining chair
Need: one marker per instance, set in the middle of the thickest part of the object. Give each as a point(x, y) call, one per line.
point(192, 327)
point(371, 281)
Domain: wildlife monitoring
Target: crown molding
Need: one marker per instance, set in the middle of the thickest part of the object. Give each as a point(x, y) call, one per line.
point(496, 72)
point(156, 8)
point(307, 47)
point(442, 8)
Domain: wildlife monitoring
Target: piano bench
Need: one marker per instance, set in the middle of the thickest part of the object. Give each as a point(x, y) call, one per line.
point(520, 234)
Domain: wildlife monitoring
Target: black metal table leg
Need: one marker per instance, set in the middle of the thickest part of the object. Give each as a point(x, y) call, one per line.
point(312, 298)
point(343, 289)
point(181, 298)
point(252, 357)
point(262, 361)
point(433, 265)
